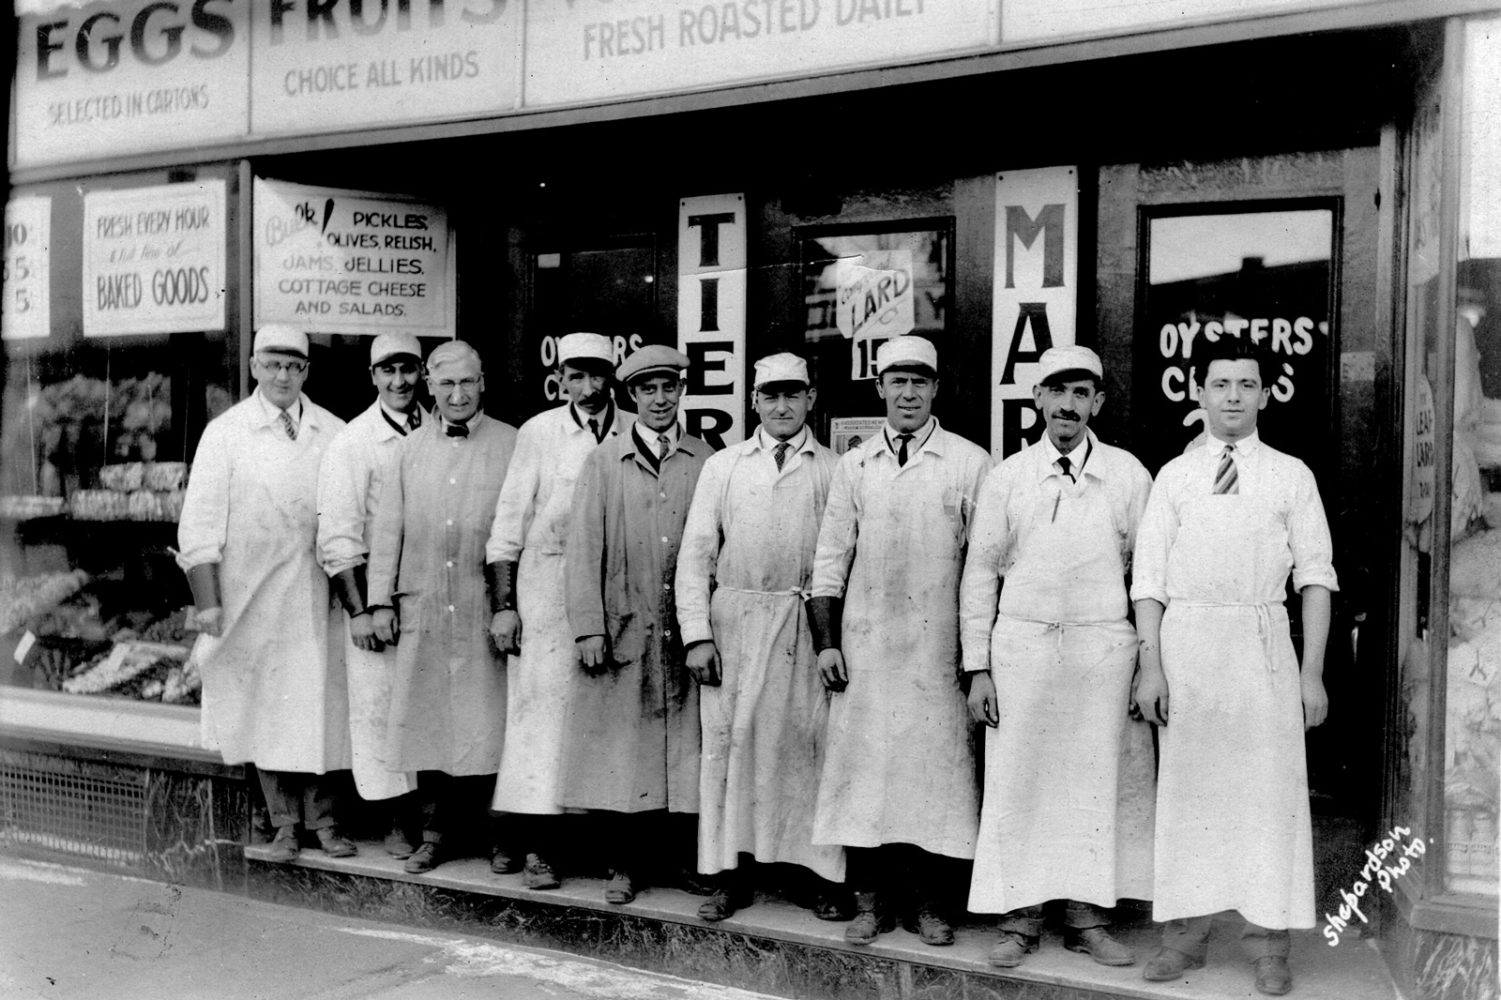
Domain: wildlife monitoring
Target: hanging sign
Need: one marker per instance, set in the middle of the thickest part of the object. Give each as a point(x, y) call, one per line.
point(25, 309)
point(711, 315)
point(334, 261)
point(1036, 281)
point(873, 304)
point(331, 64)
point(154, 259)
point(130, 76)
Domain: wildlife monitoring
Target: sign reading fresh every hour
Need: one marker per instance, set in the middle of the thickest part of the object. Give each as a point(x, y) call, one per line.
point(336, 261)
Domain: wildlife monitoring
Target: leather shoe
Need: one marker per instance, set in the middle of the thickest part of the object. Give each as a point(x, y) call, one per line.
point(538, 874)
point(837, 904)
point(869, 923)
point(723, 903)
point(1273, 977)
point(502, 862)
point(620, 889)
point(284, 846)
point(399, 845)
point(1097, 943)
point(335, 844)
point(929, 926)
point(1169, 964)
point(425, 858)
point(1008, 952)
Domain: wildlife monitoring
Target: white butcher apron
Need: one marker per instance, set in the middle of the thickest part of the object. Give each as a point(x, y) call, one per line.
point(1233, 824)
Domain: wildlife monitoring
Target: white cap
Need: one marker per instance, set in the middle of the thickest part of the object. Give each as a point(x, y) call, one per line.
point(581, 346)
point(906, 351)
point(1071, 358)
point(282, 338)
point(781, 368)
point(389, 345)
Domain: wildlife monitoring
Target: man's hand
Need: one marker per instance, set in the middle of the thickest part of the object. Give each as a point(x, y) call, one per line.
point(592, 655)
point(387, 629)
point(1315, 701)
point(505, 629)
point(1150, 695)
point(836, 676)
point(210, 621)
point(703, 662)
point(983, 706)
point(362, 632)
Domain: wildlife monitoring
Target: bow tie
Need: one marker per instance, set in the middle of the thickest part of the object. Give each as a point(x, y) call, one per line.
point(456, 430)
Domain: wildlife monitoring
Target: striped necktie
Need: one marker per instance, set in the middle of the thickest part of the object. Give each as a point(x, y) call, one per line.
point(781, 455)
point(288, 425)
point(664, 445)
point(1226, 480)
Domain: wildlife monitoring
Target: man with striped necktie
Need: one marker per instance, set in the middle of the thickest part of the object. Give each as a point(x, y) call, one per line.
point(357, 460)
point(1224, 526)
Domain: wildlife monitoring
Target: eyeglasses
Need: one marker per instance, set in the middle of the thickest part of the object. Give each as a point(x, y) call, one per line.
point(283, 367)
point(447, 385)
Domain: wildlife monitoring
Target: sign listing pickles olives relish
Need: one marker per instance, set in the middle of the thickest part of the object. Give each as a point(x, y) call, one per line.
point(154, 259)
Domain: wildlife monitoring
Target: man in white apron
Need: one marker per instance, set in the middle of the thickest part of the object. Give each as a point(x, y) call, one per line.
point(1067, 805)
point(273, 682)
point(356, 460)
point(749, 543)
point(898, 783)
point(524, 563)
point(632, 740)
point(427, 597)
point(1225, 524)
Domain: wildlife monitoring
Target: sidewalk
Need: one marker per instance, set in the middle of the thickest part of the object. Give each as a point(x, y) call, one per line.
point(71, 933)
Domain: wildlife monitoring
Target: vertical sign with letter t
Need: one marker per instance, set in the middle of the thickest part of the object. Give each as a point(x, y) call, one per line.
point(711, 315)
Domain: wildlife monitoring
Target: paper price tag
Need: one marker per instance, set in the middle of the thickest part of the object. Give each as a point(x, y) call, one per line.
point(24, 646)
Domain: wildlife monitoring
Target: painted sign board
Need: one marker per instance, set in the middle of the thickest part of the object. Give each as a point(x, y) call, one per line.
point(25, 298)
point(711, 315)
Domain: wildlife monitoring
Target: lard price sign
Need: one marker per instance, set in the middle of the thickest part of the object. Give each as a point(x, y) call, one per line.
point(344, 262)
point(154, 259)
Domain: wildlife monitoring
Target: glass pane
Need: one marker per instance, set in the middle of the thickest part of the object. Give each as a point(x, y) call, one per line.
point(859, 290)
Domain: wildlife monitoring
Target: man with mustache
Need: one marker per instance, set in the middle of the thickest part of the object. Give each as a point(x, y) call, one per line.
point(427, 594)
point(1067, 805)
point(632, 741)
point(1226, 523)
point(524, 561)
point(898, 784)
point(357, 460)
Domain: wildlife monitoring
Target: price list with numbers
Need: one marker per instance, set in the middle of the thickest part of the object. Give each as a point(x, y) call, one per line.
point(24, 307)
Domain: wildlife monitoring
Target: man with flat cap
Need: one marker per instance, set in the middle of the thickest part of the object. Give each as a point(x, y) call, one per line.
point(745, 566)
point(632, 744)
point(353, 467)
point(1068, 798)
point(524, 558)
point(273, 682)
point(427, 597)
point(898, 784)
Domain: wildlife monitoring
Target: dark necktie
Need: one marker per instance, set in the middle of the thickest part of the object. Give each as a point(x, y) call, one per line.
point(456, 430)
point(415, 420)
point(594, 429)
point(901, 454)
point(664, 445)
point(782, 454)
point(1064, 464)
point(1226, 479)
point(288, 425)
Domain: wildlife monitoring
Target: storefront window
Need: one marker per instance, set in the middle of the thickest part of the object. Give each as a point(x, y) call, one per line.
point(862, 287)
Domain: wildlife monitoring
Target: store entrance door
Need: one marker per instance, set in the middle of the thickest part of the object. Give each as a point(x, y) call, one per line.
point(1282, 250)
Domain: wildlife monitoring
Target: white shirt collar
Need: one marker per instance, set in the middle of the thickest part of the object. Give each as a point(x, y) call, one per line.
point(674, 435)
point(920, 437)
point(1245, 446)
point(800, 441)
point(1083, 452)
point(272, 412)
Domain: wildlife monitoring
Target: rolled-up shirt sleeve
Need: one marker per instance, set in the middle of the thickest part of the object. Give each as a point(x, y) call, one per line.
point(980, 586)
point(1154, 541)
point(343, 498)
point(203, 526)
point(698, 555)
point(517, 503)
point(386, 529)
point(836, 535)
point(1308, 536)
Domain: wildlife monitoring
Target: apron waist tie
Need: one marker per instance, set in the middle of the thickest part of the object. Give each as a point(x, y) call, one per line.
point(1056, 629)
point(797, 592)
point(1263, 611)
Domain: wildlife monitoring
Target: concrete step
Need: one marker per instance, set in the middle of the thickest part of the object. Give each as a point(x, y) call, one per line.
point(776, 947)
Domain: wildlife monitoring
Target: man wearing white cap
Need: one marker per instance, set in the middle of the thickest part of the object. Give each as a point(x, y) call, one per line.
point(356, 461)
point(898, 769)
point(427, 597)
point(632, 742)
point(749, 543)
point(273, 682)
point(1068, 798)
point(524, 561)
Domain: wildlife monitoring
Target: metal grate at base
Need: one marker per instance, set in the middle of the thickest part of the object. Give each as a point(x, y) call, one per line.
point(74, 807)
